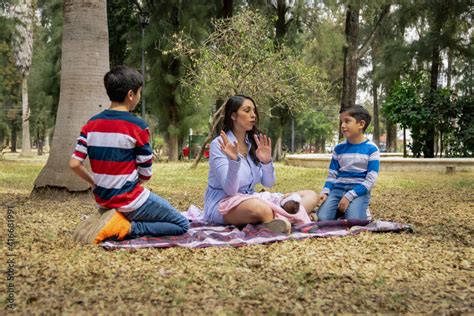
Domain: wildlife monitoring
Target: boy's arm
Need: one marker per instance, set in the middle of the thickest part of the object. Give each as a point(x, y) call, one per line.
point(372, 174)
point(79, 155)
point(81, 171)
point(144, 156)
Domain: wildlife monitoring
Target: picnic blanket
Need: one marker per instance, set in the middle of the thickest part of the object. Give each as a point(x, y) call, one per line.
point(202, 235)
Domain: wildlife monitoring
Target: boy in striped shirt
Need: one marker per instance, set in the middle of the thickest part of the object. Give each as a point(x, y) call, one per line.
point(353, 170)
point(118, 145)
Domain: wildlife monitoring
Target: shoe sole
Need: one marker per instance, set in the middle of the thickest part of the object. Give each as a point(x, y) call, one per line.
point(278, 226)
point(87, 231)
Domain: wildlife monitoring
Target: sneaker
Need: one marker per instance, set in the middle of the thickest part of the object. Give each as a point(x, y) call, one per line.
point(103, 225)
point(278, 225)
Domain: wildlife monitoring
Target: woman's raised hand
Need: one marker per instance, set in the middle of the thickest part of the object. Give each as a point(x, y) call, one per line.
point(264, 148)
point(231, 150)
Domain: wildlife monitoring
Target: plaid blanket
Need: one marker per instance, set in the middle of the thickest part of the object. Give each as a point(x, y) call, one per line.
point(201, 235)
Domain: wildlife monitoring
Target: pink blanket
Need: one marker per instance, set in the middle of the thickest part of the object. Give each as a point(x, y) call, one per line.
point(272, 199)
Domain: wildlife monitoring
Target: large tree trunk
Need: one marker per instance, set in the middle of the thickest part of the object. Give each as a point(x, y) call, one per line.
point(85, 60)
point(349, 79)
point(25, 116)
point(172, 147)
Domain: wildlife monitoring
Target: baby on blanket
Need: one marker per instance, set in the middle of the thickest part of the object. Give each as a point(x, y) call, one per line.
point(284, 206)
point(290, 203)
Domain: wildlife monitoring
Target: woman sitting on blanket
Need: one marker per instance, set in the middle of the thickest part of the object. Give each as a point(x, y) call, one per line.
point(240, 158)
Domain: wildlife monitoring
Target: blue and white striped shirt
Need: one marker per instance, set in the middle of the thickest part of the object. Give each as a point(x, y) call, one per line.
point(355, 165)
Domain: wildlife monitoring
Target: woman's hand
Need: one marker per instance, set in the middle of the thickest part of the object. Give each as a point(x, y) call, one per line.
point(231, 150)
point(264, 148)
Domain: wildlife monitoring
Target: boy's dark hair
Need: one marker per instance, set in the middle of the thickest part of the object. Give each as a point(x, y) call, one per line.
point(359, 113)
point(121, 79)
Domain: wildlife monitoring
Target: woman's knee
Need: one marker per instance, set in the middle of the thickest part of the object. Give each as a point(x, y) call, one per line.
point(259, 211)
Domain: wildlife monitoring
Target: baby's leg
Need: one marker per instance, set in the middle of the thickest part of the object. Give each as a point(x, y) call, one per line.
point(328, 210)
point(156, 217)
point(309, 200)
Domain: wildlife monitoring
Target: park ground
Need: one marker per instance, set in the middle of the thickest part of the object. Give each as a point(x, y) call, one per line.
point(428, 271)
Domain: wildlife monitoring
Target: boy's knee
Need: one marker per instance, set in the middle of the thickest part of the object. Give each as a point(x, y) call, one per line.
point(184, 225)
point(326, 214)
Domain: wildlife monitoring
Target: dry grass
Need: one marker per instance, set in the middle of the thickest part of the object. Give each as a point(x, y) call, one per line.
point(429, 271)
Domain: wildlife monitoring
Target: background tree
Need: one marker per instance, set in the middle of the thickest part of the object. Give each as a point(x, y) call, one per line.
point(84, 61)
point(163, 91)
point(23, 13)
point(239, 57)
point(10, 88)
point(44, 75)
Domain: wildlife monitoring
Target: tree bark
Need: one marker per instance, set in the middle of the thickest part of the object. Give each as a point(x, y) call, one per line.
point(277, 152)
point(25, 117)
point(391, 137)
point(349, 80)
point(429, 148)
point(376, 115)
point(13, 140)
point(85, 60)
point(172, 147)
point(375, 86)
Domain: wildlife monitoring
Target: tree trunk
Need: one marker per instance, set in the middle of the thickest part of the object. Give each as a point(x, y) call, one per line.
point(349, 79)
point(277, 154)
point(404, 143)
point(391, 137)
point(172, 147)
point(25, 117)
point(376, 115)
point(429, 148)
point(449, 71)
point(85, 60)
point(375, 86)
point(13, 136)
point(227, 8)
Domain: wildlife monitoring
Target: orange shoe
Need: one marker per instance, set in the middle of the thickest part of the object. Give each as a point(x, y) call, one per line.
point(110, 224)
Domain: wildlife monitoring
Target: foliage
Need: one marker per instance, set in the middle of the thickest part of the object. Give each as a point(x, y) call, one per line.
point(239, 58)
point(121, 17)
point(44, 77)
point(314, 125)
point(462, 141)
point(413, 105)
point(10, 81)
point(165, 96)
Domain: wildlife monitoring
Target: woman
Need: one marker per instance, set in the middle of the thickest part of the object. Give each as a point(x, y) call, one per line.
point(239, 159)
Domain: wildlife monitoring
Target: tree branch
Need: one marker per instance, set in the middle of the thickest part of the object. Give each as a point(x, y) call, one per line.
point(361, 52)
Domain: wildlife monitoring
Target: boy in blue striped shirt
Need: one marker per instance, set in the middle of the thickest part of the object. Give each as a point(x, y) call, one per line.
point(353, 170)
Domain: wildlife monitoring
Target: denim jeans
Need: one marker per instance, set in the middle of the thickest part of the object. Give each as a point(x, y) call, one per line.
point(357, 208)
point(156, 217)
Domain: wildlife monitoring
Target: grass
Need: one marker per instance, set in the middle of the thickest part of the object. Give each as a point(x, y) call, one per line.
point(429, 271)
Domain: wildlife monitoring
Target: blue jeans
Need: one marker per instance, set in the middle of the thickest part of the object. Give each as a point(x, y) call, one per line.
point(156, 217)
point(357, 208)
